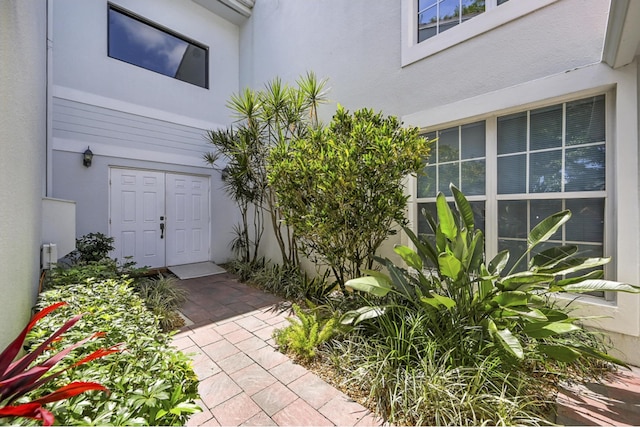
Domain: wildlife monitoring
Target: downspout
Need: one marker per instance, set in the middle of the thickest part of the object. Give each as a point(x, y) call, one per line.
point(48, 175)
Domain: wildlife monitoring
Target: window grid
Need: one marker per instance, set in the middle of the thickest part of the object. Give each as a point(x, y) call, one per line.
point(492, 198)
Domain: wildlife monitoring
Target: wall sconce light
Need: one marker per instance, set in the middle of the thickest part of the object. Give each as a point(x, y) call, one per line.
point(87, 157)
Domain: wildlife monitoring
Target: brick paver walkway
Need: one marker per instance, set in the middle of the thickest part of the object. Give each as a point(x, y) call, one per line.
point(244, 379)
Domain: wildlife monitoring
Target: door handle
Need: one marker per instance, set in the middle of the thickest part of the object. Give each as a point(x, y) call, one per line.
point(162, 230)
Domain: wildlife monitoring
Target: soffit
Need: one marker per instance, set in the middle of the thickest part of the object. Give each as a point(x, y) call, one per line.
point(622, 40)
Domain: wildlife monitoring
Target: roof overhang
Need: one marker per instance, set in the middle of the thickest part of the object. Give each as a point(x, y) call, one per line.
point(236, 11)
point(622, 39)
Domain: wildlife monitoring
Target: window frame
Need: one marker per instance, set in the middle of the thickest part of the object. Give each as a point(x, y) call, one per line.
point(491, 198)
point(164, 29)
point(493, 17)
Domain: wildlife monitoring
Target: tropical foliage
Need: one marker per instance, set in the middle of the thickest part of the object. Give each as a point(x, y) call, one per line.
point(341, 187)
point(21, 377)
point(305, 332)
point(274, 116)
point(150, 382)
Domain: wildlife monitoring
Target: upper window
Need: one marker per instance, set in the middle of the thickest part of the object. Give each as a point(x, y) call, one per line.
point(436, 16)
point(422, 20)
point(147, 45)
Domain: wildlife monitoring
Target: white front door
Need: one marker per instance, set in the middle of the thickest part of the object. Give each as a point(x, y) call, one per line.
point(159, 219)
point(187, 219)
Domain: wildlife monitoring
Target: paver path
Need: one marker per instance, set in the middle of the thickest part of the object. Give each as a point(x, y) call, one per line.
point(244, 379)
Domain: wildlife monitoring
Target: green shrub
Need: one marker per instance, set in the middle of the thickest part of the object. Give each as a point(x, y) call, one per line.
point(93, 247)
point(151, 382)
point(304, 334)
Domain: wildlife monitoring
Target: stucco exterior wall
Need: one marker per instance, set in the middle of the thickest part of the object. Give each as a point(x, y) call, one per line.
point(357, 46)
point(81, 61)
point(23, 39)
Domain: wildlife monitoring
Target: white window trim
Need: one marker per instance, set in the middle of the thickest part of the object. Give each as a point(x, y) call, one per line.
point(413, 51)
point(622, 163)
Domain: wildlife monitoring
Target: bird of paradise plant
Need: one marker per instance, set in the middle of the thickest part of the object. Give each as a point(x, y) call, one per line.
point(21, 376)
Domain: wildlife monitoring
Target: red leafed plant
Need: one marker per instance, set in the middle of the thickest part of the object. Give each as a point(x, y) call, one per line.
point(21, 376)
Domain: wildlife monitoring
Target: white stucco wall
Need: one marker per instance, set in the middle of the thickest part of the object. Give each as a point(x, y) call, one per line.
point(81, 61)
point(23, 27)
point(357, 45)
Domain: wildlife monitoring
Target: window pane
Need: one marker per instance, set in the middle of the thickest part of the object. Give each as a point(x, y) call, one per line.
point(546, 127)
point(448, 145)
point(427, 183)
point(512, 133)
point(541, 209)
point(587, 220)
point(586, 121)
point(512, 174)
point(478, 215)
point(516, 248)
point(473, 177)
point(448, 174)
point(431, 136)
point(512, 218)
point(423, 225)
point(546, 172)
point(427, 21)
point(585, 169)
point(449, 14)
point(473, 140)
point(471, 8)
point(146, 46)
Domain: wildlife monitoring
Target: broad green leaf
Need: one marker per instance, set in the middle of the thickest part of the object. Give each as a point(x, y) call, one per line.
point(409, 256)
point(436, 300)
point(601, 285)
point(463, 207)
point(547, 329)
point(476, 252)
point(373, 285)
point(449, 265)
point(572, 265)
point(399, 279)
point(509, 299)
point(592, 352)
point(561, 353)
point(555, 286)
point(499, 262)
point(524, 311)
point(425, 250)
point(363, 313)
point(517, 280)
point(510, 342)
point(447, 223)
point(547, 227)
point(550, 257)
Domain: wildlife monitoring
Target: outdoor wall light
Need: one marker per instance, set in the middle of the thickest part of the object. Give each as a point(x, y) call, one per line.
point(87, 157)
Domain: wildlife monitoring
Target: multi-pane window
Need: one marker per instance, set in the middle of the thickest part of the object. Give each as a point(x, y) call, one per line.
point(546, 160)
point(436, 16)
point(546, 152)
point(458, 156)
point(147, 45)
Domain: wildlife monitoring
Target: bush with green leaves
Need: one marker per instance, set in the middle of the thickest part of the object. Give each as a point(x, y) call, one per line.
point(150, 381)
point(450, 282)
point(305, 332)
point(93, 247)
point(341, 187)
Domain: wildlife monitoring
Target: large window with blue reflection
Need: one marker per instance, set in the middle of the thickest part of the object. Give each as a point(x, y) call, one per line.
point(139, 42)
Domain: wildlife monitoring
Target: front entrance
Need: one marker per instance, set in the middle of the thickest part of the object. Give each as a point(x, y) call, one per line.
point(159, 219)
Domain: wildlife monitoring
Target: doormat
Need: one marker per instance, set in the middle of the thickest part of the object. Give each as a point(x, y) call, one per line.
point(200, 269)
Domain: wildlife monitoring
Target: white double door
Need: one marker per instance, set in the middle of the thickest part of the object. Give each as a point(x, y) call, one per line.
point(159, 219)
